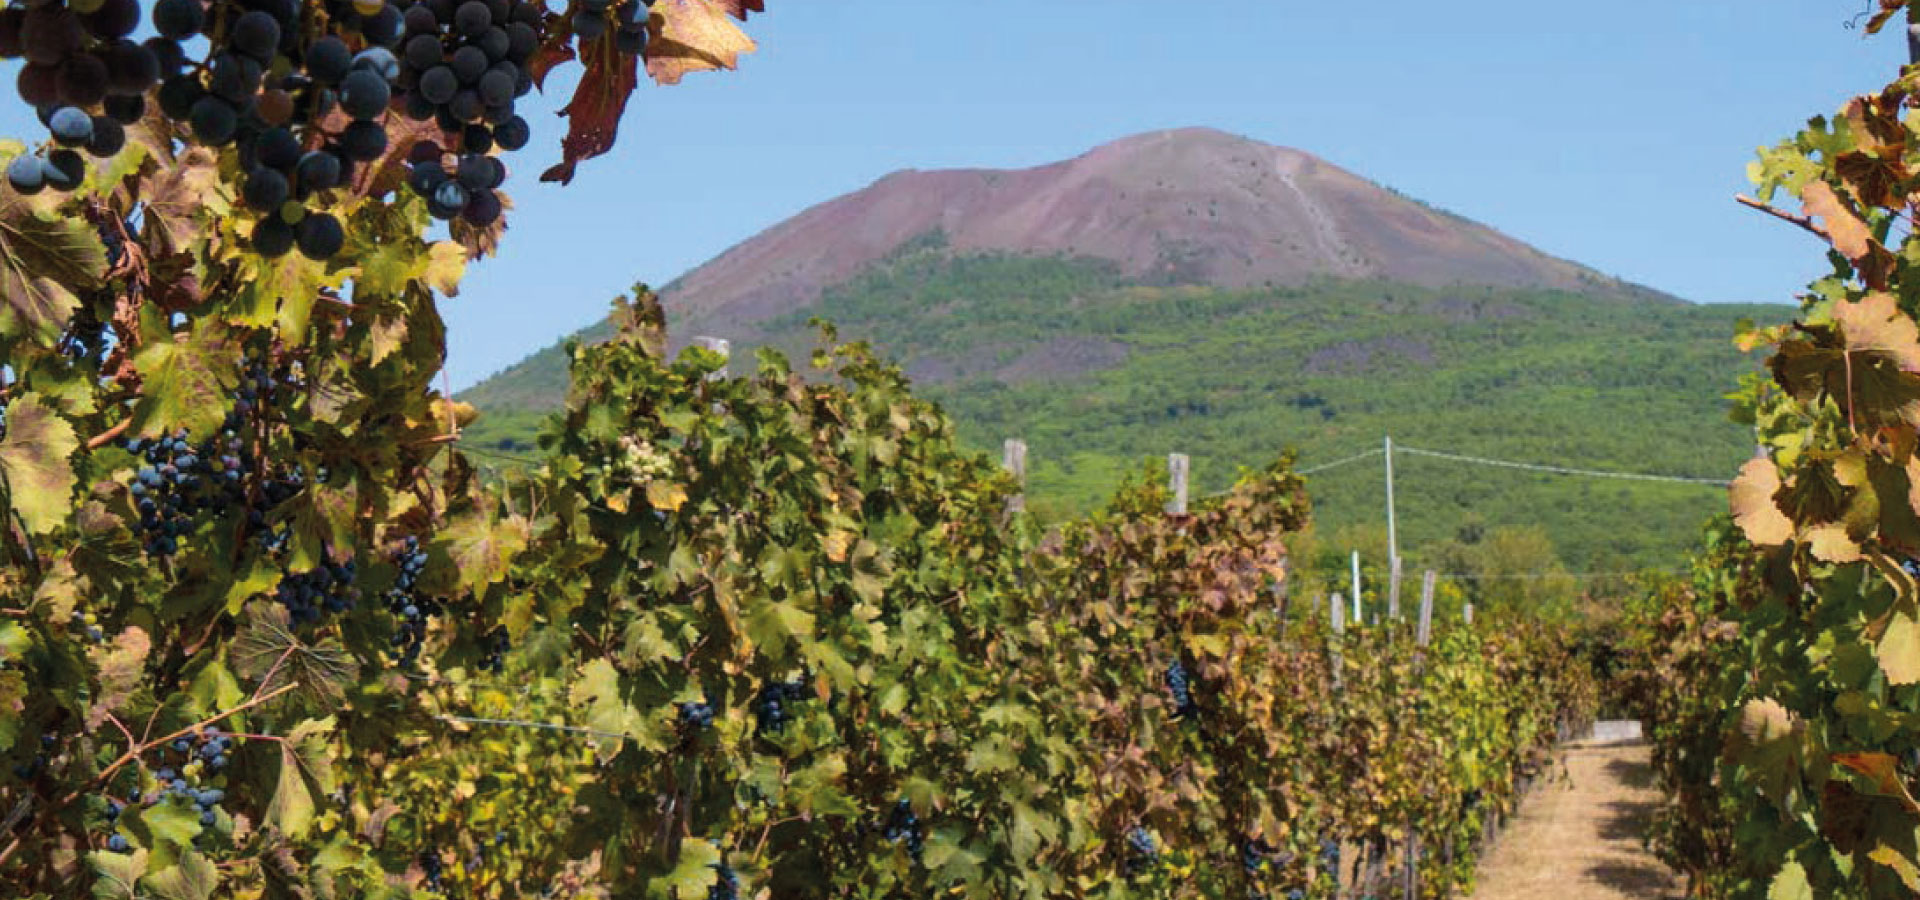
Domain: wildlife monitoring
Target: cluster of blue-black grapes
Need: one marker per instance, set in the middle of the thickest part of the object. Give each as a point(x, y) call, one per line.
point(694, 716)
point(31, 769)
point(182, 780)
point(1330, 857)
point(726, 885)
point(1182, 690)
point(430, 865)
point(84, 76)
point(179, 481)
point(1143, 851)
point(495, 658)
point(903, 825)
point(324, 589)
point(771, 705)
point(404, 601)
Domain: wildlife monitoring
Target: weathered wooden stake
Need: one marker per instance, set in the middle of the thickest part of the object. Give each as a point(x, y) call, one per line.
point(1339, 614)
point(1426, 607)
point(1177, 466)
point(1469, 614)
point(1015, 459)
point(721, 346)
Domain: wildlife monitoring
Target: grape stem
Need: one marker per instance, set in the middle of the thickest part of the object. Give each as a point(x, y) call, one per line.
point(108, 436)
point(1805, 222)
point(132, 755)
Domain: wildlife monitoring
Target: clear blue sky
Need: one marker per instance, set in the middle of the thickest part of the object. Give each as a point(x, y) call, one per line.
point(1611, 133)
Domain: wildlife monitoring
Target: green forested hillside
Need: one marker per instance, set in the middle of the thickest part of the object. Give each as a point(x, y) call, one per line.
point(1097, 374)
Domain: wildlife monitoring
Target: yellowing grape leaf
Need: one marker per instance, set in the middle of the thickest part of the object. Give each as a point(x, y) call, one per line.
point(1751, 499)
point(1899, 649)
point(1847, 232)
point(1882, 770)
point(1875, 324)
point(34, 467)
point(120, 666)
point(1790, 883)
point(184, 382)
point(694, 36)
point(1831, 543)
point(1900, 863)
point(43, 260)
point(666, 495)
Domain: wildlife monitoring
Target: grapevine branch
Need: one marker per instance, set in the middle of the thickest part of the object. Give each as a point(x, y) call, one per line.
point(133, 754)
point(1805, 222)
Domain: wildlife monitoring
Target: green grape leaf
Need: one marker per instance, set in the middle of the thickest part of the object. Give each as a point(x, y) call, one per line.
point(167, 824)
point(597, 688)
point(13, 701)
point(482, 547)
point(44, 260)
point(306, 768)
point(34, 464)
point(193, 877)
point(693, 873)
point(117, 875)
point(185, 383)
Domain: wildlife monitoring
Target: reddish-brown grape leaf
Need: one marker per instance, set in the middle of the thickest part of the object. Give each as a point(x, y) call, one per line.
point(1845, 229)
point(593, 115)
point(558, 49)
point(178, 198)
point(1883, 771)
point(1875, 324)
point(1753, 507)
point(120, 666)
point(695, 36)
point(740, 8)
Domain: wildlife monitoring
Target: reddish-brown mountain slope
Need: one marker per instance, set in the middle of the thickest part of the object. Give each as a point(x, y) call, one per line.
point(1192, 205)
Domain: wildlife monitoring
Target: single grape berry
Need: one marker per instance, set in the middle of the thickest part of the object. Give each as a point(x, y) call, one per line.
point(320, 236)
point(178, 19)
point(364, 94)
point(472, 18)
point(277, 148)
point(71, 127)
point(256, 34)
point(27, 174)
point(381, 61)
point(328, 60)
point(363, 141)
point(265, 189)
point(482, 209)
point(318, 170)
point(127, 110)
point(439, 84)
point(588, 26)
point(214, 121)
point(83, 80)
point(448, 200)
point(109, 137)
point(65, 170)
point(112, 19)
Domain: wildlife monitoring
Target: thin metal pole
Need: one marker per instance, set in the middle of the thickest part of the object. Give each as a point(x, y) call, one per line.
point(1393, 531)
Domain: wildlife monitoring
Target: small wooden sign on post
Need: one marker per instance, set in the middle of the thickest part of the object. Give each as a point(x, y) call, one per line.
point(1015, 459)
point(721, 346)
point(1177, 465)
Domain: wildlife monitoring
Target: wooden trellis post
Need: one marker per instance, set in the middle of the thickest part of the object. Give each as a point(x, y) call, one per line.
point(1426, 607)
point(1393, 591)
point(1015, 459)
point(1177, 466)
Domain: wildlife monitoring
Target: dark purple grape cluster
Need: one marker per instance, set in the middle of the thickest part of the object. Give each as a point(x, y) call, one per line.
point(694, 716)
point(323, 590)
point(404, 601)
point(434, 869)
point(1143, 851)
point(903, 825)
point(86, 78)
point(178, 482)
point(726, 885)
point(771, 707)
point(1182, 690)
point(463, 64)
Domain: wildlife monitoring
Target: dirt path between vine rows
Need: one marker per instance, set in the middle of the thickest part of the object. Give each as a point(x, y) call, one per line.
point(1580, 839)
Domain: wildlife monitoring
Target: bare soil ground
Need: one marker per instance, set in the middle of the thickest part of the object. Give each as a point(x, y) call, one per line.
point(1579, 839)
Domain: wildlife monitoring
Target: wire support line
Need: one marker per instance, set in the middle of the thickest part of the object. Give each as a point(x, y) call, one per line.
point(1341, 462)
point(517, 723)
point(1557, 470)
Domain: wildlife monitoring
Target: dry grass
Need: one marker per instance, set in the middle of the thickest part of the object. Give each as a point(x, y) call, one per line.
point(1579, 839)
